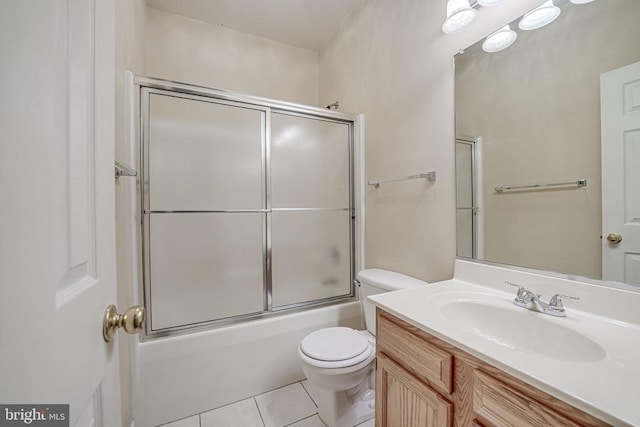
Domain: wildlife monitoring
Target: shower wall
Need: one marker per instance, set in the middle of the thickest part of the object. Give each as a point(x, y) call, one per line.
point(187, 50)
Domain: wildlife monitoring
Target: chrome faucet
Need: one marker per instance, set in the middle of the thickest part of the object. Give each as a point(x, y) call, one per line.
point(531, 301)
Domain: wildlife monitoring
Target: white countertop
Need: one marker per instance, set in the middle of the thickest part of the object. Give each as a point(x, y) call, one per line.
point(604, 383)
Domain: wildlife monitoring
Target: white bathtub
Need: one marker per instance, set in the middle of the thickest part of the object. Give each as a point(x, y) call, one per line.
point(180, 376)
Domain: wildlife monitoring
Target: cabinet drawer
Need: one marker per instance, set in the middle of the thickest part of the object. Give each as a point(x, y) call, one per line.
point(428, 362)
point(497, 405)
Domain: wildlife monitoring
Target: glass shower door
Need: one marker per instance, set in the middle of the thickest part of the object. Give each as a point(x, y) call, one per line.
point(247, 207)
point(205, 211)
point(310, 209)
point(466, 223)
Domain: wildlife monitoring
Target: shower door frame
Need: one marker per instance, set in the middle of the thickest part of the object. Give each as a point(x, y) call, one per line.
point(477, 191)
point(143, 88)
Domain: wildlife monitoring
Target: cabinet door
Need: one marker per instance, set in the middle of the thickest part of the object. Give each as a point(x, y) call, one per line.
point(403, 400)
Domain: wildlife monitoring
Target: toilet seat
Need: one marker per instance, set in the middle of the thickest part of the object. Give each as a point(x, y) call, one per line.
point(336, 347)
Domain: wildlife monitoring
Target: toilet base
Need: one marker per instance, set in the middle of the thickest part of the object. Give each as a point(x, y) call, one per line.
point(346, 408)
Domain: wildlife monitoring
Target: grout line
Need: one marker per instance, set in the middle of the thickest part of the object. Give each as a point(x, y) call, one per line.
point(255, 402)
point(309, 394)
point(302, 419)
point(366, 421)
point(180, 419)
point(224, 406)
point(278, 388)
point(246, 398)
point(312, 401)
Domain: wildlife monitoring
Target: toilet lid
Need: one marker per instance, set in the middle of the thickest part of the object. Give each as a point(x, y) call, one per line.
point(334, 344)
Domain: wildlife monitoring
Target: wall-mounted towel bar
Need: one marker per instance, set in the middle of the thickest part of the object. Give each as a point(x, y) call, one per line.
point(579, 183)
point(429, 176)
point(124, 170)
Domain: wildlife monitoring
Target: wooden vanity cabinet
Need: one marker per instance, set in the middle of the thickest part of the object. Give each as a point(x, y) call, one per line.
point(423, 381)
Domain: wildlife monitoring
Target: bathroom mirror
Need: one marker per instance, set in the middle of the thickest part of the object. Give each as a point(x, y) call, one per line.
point(531, 157)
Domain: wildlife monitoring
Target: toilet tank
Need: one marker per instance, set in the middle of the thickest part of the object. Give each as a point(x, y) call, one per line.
point(375, 281)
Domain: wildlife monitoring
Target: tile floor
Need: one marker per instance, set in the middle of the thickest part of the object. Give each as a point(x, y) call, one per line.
point(293, 405)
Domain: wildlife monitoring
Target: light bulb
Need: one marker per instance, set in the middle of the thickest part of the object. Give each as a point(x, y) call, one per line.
point(500, 40)
point(489, 3)
point(459, 16)
point(542, 15)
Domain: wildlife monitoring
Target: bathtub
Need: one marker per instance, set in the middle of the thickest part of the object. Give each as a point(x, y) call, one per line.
point(180, 376)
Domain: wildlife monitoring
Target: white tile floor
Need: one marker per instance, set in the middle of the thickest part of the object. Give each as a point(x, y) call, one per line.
point(291, 406)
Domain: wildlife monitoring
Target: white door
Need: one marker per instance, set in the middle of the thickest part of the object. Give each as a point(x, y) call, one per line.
point(620, 105)
point(57, 241)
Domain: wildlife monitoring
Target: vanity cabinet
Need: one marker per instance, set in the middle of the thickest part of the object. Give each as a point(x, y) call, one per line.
point(424, 381)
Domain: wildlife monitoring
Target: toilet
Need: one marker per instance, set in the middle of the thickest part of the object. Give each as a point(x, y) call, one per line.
point(340, 362)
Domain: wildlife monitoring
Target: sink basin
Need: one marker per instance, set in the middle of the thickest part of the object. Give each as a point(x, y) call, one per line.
point(522, 330)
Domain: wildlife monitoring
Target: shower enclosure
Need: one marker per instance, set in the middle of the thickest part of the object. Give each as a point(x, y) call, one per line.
point(247, 206)
point(469, 197)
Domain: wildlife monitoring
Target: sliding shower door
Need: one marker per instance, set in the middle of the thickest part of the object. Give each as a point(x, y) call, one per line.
point(469, 198)
point(310, 200)
point(247, 208)
point(206, 216)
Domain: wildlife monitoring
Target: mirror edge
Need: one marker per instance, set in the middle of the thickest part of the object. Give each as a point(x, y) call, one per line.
point(556, 275)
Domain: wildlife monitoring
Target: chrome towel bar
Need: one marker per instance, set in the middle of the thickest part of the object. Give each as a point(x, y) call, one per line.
point(579, 183)
point(429, 176)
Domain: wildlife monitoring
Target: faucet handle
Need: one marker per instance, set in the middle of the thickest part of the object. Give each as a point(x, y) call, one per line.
point(521, 289)
point(523, 297)
point(514, 284)
point(556, 301)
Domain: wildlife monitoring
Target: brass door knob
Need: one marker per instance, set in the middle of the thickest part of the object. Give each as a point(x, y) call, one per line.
point(131, 321)
point(614, 238)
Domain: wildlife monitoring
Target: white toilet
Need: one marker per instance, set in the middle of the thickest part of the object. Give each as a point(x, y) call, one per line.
point(340, 361)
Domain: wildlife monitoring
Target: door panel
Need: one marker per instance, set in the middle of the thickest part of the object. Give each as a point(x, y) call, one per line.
point(57, 251)
point(204, 155)
point(620, 105)
point(310, 255)
point(316, 153)
point(205, 266)
point(402, 400)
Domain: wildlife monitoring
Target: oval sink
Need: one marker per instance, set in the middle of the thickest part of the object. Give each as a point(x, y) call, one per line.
point(522, 330)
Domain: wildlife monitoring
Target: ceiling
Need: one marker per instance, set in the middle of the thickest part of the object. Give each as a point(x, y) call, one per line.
point(309, 24)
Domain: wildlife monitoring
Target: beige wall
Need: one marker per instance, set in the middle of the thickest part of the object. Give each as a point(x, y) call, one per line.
point(153, 43)
point(130, 25)
point(195, 52)
point(392, 62)
point(537, 107)
point(389, 61)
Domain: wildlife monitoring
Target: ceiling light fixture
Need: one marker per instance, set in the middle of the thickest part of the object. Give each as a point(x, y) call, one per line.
point(542, 15)
point(490, 3)
point(580, 1)
point(459, 16)
point(500, 40)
